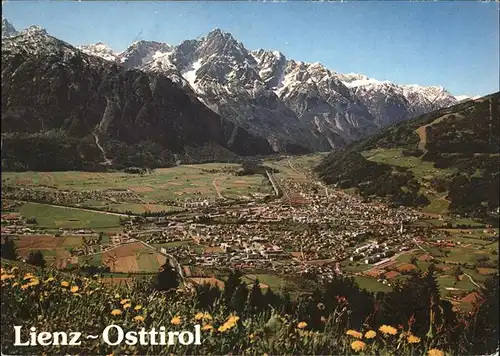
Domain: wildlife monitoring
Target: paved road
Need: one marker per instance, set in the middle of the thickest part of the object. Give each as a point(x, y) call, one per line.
point(273, 183)
point(472, 280)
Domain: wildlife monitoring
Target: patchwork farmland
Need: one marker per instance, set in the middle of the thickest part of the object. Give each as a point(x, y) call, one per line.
point(163, 184)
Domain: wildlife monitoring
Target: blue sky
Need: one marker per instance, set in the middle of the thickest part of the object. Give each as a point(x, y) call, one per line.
point(452, 44)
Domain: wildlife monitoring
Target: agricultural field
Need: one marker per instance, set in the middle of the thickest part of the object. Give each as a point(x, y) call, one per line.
point(294, 167)
point(55, 249)
point(422, 170)
point(242, 187)
point(394, 157)
point(176, 183)
point(466, 247)
point(266, 280)
point(55, 217)
point(130, 258)
point(371, 284)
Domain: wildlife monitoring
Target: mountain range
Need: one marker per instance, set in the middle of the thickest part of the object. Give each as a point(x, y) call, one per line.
point(295, 106)
point(280, 97)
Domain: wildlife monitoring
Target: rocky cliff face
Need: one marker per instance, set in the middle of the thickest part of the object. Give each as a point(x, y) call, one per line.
point(51, 89)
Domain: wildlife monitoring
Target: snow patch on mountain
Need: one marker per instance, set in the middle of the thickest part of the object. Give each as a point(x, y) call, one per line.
point(190, 74)
point(365, 81)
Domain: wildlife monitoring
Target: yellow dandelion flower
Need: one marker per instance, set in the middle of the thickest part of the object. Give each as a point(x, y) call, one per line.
point(64, 284)
point(176, 320)
point(302, 325)
point(126, 306)
point(74, 289)
point(358, 345)
point(124, 301)
point(138, 307)
point(139, 318)
point(28, 276)
point(412, 339)
point(198, 316)
point(207, 316)
point(207, 327)
point(34, 282)
point(388, 330)
point(435, 352)
point(223, 328)
point(370, 334)
point(355, 334)
point(233, 319)
point(116, 312)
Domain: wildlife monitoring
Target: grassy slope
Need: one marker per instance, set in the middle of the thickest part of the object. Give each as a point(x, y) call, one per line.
point(448, 133)
point(47, 304)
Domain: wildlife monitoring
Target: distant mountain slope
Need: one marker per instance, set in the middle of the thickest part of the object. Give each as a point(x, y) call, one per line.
point(445, 160)
point(64, 109)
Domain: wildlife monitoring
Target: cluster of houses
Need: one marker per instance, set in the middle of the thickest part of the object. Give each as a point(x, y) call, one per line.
point(275, 236)
point(372, 252)
point(197, 203)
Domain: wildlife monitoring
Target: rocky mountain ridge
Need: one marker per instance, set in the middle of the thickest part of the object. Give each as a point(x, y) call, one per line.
point(315, 104)
point(74, 111)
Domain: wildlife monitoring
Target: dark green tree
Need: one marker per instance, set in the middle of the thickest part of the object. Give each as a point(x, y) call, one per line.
point(35, 258)
point(483, 332)
point(232, 283)
point(8, 249)
point(255, 298)
point(166, 279)
point(239, 298)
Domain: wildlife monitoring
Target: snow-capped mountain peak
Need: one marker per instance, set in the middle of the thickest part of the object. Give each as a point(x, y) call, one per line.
point(8, 29)
point(142, 52)
point(34, 30)
point(100, 50)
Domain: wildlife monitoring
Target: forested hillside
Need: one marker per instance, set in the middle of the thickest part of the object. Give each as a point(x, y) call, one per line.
point(450, 155)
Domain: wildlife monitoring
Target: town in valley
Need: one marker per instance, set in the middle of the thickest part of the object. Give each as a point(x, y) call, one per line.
point(280, 225)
